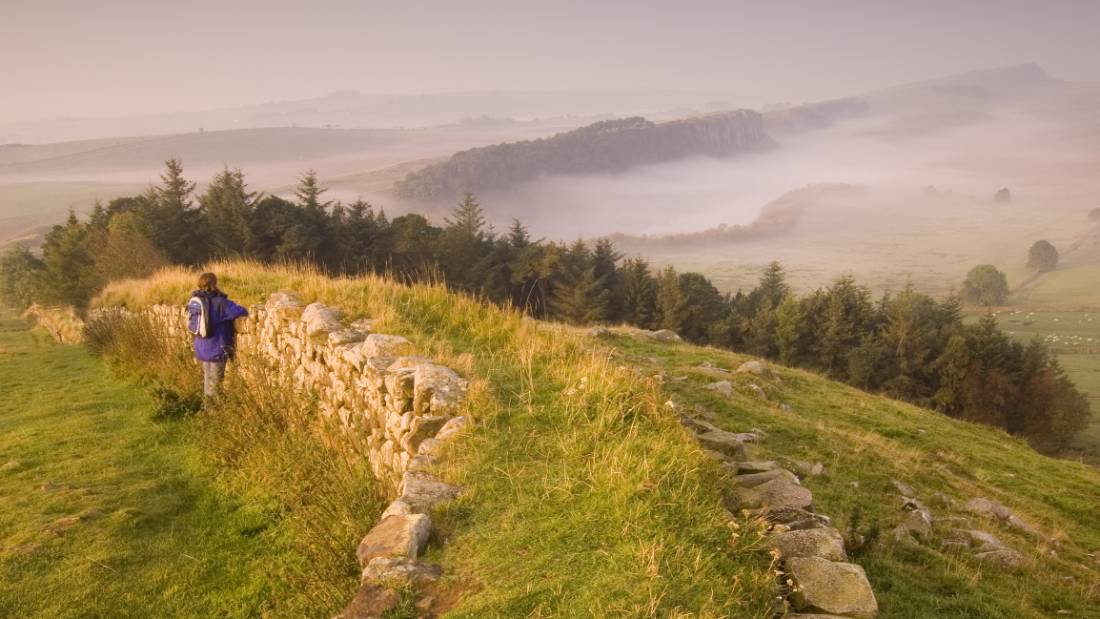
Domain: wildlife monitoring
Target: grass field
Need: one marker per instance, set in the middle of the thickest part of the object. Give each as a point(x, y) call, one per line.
point(106, 513)
point(1072, 286)
point(29, 207)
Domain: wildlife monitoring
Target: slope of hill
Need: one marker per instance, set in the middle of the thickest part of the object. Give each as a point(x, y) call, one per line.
point(585, 496)
point(607, 146)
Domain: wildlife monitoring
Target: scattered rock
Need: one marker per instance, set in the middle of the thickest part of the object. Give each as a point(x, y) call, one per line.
point(665, 335)
point(797, 520)
point(830, 587)
point(599, 332)
point(400, 572)
point(749, 437)
point(710, 367)
point(1006, 558)
point(824, 542)
point(991, 508)
point(786, 408)
point(755, 367)
point(904, 488)
point(757, 466)
point(723, 442)
point(395, 536)
point(751, 480)
point(917, 523)
point(723, 387)
point(757, 391)
point(371, 601)
point(698, 425)
point(777, 494)
point(10, 465)
point(814, 469)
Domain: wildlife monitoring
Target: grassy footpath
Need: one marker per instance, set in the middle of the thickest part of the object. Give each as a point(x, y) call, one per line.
point(105, 513)
point(867, 441)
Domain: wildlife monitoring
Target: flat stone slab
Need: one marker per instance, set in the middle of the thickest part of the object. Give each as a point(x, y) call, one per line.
point(776, 495)
point(400, 572)
point(723, 442)
point(396, 535)
point(665, 335)
point(917, 522)
point(752, 480)
point(422, 492)
point(831, 587)
point(758, 466)
point(824, 542)
point(1006, 558)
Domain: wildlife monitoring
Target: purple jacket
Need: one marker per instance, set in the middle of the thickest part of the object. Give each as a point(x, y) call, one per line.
point(219, 341)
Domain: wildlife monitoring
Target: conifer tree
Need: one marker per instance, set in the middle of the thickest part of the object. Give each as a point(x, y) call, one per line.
point(578, 296)
point(639, 294)
point(228, 206)
point(171, 221)
point(671, 303)
point(68, 272)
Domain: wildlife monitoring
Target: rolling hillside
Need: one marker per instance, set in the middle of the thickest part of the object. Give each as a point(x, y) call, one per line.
point(585, 496)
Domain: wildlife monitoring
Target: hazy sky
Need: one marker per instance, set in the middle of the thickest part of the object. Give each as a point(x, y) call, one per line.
point(114, 57)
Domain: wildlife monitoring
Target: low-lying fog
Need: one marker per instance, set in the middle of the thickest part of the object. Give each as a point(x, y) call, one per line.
point(1022, 153)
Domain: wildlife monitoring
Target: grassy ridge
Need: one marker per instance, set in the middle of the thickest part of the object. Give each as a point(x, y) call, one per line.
point(584, 498)
point(106, 513)
point(867, 441)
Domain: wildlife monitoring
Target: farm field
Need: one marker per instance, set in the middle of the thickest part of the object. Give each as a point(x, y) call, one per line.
point(1075, 337)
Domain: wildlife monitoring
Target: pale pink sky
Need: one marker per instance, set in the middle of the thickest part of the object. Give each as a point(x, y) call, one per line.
point(117, 57)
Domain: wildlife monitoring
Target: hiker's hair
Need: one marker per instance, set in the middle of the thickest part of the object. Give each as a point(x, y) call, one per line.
point(208, 282)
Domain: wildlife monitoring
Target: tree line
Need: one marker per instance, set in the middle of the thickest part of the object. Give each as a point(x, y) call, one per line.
point(907, 345)
point(604, 146)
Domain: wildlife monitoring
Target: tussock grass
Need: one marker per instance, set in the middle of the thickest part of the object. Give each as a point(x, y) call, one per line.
point(584, 498)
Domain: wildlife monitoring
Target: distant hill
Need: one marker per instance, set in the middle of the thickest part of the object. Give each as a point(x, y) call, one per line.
point(814, 115)
point(606, 146)
point(349, 109)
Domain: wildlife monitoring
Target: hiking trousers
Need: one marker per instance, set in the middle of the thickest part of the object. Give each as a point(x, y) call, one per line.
point(213, 373)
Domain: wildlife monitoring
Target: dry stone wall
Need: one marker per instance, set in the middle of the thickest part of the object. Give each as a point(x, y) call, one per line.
point(394, 408)
point(386, 400)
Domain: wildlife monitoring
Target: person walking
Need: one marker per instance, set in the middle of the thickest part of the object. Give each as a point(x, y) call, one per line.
point(210, 320)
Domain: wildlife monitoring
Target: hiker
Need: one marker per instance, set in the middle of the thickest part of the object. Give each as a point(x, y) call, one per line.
point(210, 320)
